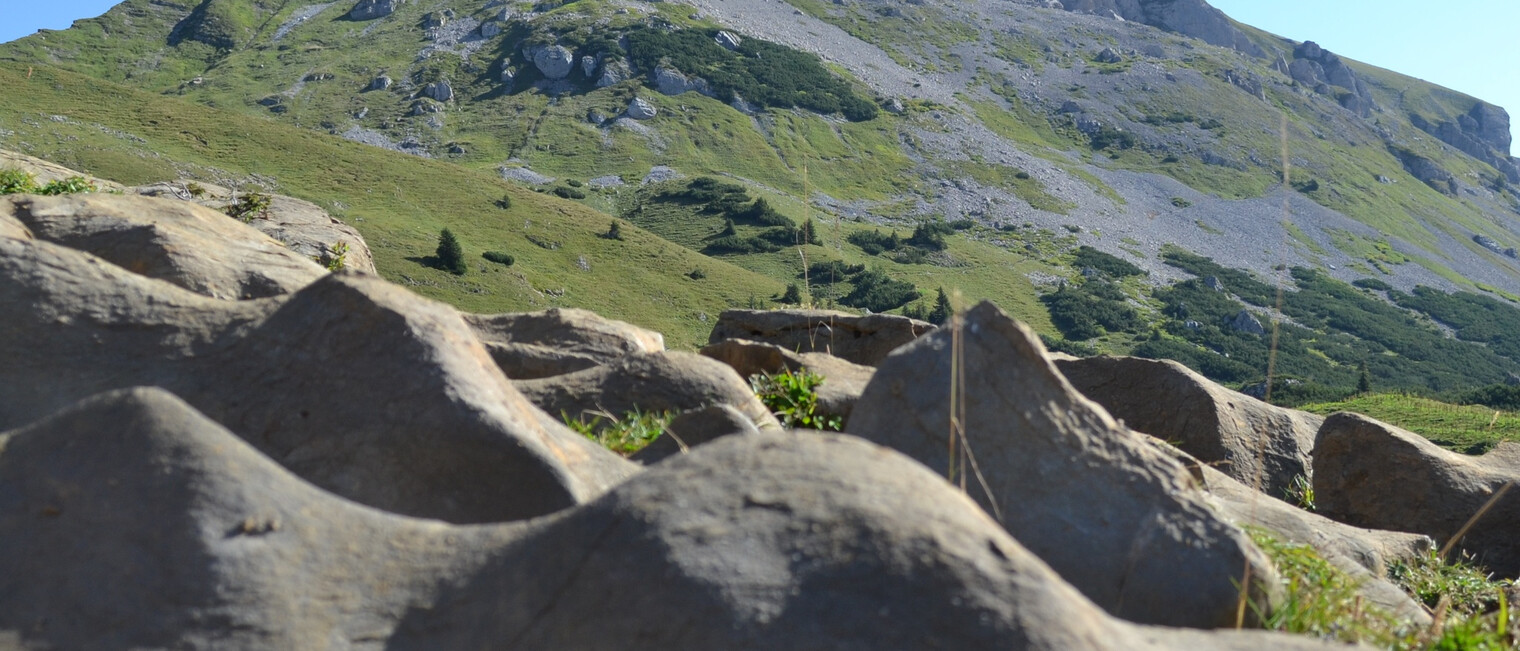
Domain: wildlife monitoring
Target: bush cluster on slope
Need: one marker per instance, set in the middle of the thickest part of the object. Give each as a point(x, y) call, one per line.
point(763, 73)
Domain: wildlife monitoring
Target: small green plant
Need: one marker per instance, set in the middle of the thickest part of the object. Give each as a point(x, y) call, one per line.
point(335, 259)
point(626, 435)
point(697, 274)
point(450, 253)
point(1301, 493)
point(1467, 590)
point(1181, 203)
point(249, 206)
point(615, 231)
point(793, 397)
point(14, 181)
point(505, 202)
point(499, 257)
point(195, 190)
point(574, 183)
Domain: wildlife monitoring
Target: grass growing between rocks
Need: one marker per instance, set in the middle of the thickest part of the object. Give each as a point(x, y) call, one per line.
point(1467, 429)
point(1470, 608)
point(626, 435)
point(793, 398)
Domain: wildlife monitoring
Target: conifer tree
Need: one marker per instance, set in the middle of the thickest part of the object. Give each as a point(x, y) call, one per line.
point(941, 312)
point(450, 253)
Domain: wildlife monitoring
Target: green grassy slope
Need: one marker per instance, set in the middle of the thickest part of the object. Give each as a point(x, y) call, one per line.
point(398, 202)
point(1469, 429)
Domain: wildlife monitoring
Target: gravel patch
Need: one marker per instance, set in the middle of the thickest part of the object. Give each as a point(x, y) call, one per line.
point(295, 20)
point(525, 175)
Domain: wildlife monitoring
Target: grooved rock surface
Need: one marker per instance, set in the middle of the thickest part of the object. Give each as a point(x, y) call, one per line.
point(302, 226)
point(664, 381)
point(1256, 443)
point(1124, 523)
point(354, 384)
point(1372, 474)
point(553, 342)
point(860, 339)
point(131, 521)
point(842, 384)
point(191, 246)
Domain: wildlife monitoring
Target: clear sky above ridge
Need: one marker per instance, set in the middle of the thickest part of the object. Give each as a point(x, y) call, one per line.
point(1472, 46)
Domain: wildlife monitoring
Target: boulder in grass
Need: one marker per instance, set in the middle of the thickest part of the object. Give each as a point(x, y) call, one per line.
point(860, 339)
point(1256, 443)
point(842, 383)
point(655, 382)
point(535, 345)
point(372, 9)
point(1124, 523)
point(133, 521)
point(356, 385)
point(1372, 474)
point(191, 246)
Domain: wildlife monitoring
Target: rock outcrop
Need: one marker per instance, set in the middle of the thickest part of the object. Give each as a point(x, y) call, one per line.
point(1194, 18)
point(843, 381)
point(133, 521)
point(1319, 70)
point(302, 226)
point(1371, 474)
point(553, 61)
point(665, 381)
point(1122, 522)
point(356, 385)
point(372, 9)
point(191, 246)
point(642, 109)
point(1483, 133)
point(860, 339)
point(557, 341)
point(1255, 443)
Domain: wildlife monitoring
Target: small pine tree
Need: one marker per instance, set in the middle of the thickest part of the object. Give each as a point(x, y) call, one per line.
point(941, 312)
point(615, 232)
point(793, 295)
point(450, 253)
point(728, 228)
point(810, 233)
point(1364, 380)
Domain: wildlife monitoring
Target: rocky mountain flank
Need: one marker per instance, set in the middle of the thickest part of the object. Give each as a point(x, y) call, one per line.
point(338, 463)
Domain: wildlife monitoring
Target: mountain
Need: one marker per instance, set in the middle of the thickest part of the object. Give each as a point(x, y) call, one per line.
point(1007, 149)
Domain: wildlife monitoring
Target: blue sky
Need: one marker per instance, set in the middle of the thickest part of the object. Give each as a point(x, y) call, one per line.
point(1470, 45)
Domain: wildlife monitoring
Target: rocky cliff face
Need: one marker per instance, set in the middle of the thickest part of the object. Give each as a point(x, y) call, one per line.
point(1194, 18)
point(1483, 133)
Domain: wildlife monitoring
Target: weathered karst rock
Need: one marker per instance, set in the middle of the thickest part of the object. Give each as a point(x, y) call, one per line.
point(132, 521)
point(859, 339)
point(1256, 443)
point(1125, 524)
point(664, 381)
point(558, 341)
point(191, 246)
point(356, 385)
point(1371, 474)
point(843, 381)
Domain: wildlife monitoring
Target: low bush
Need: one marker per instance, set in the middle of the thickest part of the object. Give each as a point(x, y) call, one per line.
point(499, 257)
point(1088, 257)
